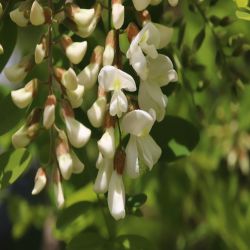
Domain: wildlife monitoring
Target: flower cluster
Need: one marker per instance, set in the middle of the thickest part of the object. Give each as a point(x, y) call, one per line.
point(124, 108)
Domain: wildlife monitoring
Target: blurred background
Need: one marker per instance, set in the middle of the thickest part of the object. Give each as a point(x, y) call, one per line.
point(198, 196)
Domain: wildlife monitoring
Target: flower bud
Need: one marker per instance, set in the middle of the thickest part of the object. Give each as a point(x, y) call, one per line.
point(117, 13)
point(18, 17)
point(103, 176)
point(119, 161)
point(88, 76)
point(132, 30)
point(99, 161)
point(141, 4)
point(78, 166)
point(76, 51)
point(24, 96)
point(86, 30)
point(41, 50)
point(109, 51)
point(75, 96)
point(27, 132)
point(58, 189)
point(116, 196)
point(37, 16)
point(82, 17)
point(39, 53)
point(77, 133)
point(49, 112)
point(1, 49)
point(97, 111)
point(68, 78)
point(63, 156)
point(16, 73)
point(173, 3)
point(106, 144)
point(40, 181)
point(20, 138)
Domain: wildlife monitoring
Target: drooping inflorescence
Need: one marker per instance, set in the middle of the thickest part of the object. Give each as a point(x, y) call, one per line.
point(126, 106)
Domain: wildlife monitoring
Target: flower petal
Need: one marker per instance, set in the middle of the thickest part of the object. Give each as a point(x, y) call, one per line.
point(161, 71)
point(132, 168)
point(137, 122)
point(103, 176)
point(148, 150)
point(116, 196)
point(106, 144)
point(77, 133)
point(118, 103)
point(141, 4)
point(111, 78)
point(151, 97)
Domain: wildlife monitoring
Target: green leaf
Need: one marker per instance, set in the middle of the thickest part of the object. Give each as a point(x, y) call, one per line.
point(199, 39)
point(10, 114)
point(86, 240)
point(176, 136)
point(243, 15)
point(12, 166)
point(69, 215)
point(8, 37)
point(132, 242)
point(123, 42)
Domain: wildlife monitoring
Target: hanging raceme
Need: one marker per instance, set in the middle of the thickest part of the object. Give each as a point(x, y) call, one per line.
point(126, 105)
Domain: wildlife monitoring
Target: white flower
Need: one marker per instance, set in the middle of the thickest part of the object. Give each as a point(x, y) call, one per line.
point(49, 112)
point(105, 168)
point(69, 79)
point(109, 51)
point(58, 189)
point(37, 16)
point(106, 144)
point(24, 96)
point(75, 96)
point(16, 73)
point(78, 166)
point(40, 53)
point(18, 17)
point(20, 139)
point(64, 159)
point(116, 196)
point(108, 55)
point(146, 41)
point(173, 3)
point(97, 111)
point(83, 17)
point(40, 181)
point(76, 51)
point(166, 34)
point(161, 72)
point(113, 79)
point(88, 76)
point(141, 4)
point(77, 133)
point(117, 15)
point(141, 145)
point(151, 97)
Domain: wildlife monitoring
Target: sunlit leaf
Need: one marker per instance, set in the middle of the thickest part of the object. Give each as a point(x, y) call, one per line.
point(12, 165)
